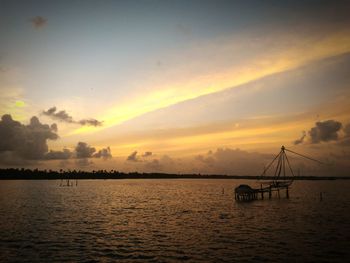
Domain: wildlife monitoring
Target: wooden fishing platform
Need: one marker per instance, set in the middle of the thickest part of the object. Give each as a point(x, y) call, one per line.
point(246, 193)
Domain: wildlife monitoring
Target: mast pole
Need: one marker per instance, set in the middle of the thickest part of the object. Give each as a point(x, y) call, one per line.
point(278, 170)
point(266, 168)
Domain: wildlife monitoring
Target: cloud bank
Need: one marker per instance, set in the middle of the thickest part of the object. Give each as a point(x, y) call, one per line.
point(26, 141)
point(19, 142)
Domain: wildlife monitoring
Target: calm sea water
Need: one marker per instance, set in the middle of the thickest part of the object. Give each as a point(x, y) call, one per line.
point(171, 221)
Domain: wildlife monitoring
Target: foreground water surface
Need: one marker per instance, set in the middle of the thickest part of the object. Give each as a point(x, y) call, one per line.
point(170, 221)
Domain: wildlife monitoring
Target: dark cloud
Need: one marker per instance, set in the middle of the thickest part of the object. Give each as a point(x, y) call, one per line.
point(58, 115)
point(26, 141)
point(38, 21)
point(65, 117)
point(132, 157)
point(90, 122)
point(83, 150)
point(58, 155)
point(147, 154)
point(325, 131)
point(301, 140)
point(104, 153)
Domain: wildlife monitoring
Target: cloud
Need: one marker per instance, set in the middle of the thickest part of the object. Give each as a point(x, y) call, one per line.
point(154, 165)
point(58, 155)
point(164, 164)
point(65, 117)
point(345, 141)
point(83, 150)
point(208, 160)
point(83, 162)
point(221, 161)
point(90, 122)
point(10, 158)
point(104, 153)
point(325, 131)
point(147, 154)
point(301, 140)
point(54, 127)
point(58, 115)
point(38, 21)
point(232, 161)
point(346, 130)
point(26, 141)
point(132, 157)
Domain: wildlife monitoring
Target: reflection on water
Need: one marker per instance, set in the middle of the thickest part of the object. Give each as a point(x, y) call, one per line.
point(171, 220)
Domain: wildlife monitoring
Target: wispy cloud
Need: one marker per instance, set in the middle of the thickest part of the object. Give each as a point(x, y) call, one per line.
point(65, 117)
point(301, 139)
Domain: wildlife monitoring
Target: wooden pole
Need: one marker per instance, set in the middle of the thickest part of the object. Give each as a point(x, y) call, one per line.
point(287, 192)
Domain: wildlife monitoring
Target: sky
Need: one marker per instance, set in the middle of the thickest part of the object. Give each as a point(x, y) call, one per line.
point(174, 86)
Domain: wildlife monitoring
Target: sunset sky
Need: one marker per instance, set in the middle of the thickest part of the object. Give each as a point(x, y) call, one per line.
point(174, 86)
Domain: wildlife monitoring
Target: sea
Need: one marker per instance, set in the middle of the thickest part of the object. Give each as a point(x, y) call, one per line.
point(172, 220)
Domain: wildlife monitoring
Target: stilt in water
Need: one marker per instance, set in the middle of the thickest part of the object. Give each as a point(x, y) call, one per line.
point(287, 192)
point(278, 193)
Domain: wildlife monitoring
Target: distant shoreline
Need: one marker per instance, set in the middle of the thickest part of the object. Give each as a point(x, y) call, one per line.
point(26, 174)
